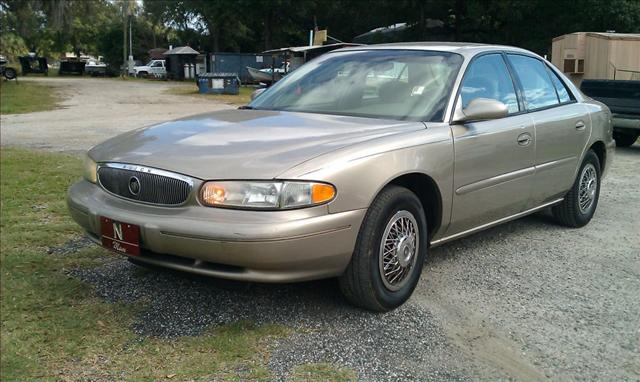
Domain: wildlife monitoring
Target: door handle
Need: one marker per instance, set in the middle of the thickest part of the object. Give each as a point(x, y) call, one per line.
point(580, 125)
point(524, 139)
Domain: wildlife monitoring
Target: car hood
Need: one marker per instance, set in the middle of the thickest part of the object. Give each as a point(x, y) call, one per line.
point(242, 144)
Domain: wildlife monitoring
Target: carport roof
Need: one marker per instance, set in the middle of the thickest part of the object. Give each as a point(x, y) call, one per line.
point(300, 49)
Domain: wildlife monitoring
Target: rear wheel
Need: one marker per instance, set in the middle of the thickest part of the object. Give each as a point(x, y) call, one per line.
point(579, 204)
point(389, 254)
point(625, 139)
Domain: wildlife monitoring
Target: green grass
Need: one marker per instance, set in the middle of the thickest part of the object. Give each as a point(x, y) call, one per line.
point(26, 97)
point(321, 372)
point(192, 90)
point(53, 328)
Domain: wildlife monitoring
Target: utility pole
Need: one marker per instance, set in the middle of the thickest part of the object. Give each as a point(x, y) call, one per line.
point(124, 40)
point(130, 38)
point(130, 61)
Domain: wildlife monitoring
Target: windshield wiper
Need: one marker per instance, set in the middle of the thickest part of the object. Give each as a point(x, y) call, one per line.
point(246, 107)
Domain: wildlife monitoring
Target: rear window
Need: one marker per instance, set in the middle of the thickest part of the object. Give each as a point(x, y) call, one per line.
point(539, 91)
point(561, 89)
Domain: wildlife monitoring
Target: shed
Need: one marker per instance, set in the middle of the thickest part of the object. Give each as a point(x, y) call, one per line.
point(597, 55)
point(157, 53)
point(177, 58)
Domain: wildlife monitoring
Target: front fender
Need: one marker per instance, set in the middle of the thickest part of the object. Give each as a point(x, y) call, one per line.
point(360, 171)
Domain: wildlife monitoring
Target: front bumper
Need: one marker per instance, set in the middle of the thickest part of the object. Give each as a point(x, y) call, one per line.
point(261, 246)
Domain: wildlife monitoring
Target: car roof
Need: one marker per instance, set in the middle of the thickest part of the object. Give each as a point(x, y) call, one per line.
point(467, 49)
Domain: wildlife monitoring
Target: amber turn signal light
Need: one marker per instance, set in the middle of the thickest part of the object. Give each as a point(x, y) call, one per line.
point(321, 193)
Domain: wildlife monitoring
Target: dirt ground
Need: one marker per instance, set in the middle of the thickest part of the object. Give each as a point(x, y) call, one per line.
point(95, 109)
point(528, 300)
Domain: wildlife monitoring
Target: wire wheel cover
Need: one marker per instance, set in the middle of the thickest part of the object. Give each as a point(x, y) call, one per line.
point(588, 187)
point(398, 250)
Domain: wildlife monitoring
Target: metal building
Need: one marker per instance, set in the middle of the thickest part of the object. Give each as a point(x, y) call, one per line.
point(596, 55)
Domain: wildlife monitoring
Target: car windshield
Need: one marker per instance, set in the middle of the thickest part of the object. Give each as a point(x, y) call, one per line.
point(387, 84)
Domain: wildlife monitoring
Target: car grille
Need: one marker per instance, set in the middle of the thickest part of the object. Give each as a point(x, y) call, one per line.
point(153, 188)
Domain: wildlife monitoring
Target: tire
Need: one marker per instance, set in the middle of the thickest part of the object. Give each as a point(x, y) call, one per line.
point(142, 75)
point(10, 73)
point(573, 212)
point(363, 283)
point(625, 140)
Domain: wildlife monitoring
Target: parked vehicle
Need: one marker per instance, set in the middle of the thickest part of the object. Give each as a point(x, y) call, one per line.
point(6, 71)
point(266, 75)
point(32, 64)
point(606, 66)
point(623, 98)
point(71, 67)
point(330, 173)
point(154, 68)
point(95, 68)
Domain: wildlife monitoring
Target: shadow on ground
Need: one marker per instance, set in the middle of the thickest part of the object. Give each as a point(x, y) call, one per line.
point(328, 329)
point(407, 343)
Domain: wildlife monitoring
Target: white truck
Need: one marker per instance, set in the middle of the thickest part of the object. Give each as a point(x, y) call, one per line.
point(154, 68)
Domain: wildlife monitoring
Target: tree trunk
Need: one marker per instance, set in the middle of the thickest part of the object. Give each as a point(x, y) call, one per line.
point(153, 32)
point(459, 14)
point(267, 29)
point(422, 22)
point(216, 38)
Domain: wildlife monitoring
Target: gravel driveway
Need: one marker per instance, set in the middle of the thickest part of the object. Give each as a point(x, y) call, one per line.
point(95, 109)
point(528, 300)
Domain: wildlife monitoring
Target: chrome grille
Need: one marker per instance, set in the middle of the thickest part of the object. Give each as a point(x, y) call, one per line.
point(155, 186)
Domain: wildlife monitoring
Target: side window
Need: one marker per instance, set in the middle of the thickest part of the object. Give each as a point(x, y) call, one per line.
point(538, 89)
point(488, 77)
point(563, 93)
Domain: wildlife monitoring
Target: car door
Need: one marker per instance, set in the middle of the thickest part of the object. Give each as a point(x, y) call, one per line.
point(494, 159)
point(156, 67)
point(562, 126)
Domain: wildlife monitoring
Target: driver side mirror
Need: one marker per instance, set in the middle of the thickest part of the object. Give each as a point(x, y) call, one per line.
point(481, 109)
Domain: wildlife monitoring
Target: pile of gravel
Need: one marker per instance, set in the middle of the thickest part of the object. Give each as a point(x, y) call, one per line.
point(71, 246)
point(401, 345)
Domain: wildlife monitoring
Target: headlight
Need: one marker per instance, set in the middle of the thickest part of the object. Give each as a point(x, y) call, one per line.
point(266, 195)
point(90, 169)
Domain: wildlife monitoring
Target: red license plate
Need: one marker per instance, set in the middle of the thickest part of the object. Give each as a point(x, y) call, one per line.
point(120, 237)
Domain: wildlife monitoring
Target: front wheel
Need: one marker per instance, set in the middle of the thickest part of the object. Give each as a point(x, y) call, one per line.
point(10, 73)
point(579, 204)
point(389, 254)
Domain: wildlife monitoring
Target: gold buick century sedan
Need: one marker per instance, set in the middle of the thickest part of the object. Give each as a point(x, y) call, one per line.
point(352, 166)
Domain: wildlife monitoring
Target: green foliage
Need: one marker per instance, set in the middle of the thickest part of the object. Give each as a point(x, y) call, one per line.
point(51, 27)
point(12, 45)
point(247, 25)
point(92, 26)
